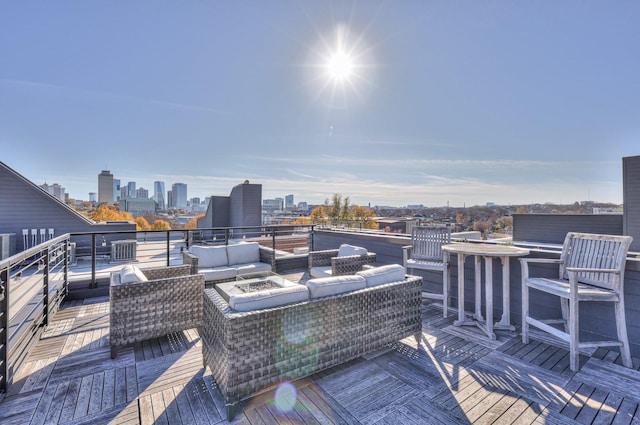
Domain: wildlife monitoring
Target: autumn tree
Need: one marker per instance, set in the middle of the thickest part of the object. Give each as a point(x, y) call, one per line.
point(193, 223)
point(142, 224)
point(301, 221)
point(160, 225)
point(318, 215)
point(365, 216)
point(110, 213)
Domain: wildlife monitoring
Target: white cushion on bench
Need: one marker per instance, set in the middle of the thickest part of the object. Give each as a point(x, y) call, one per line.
point(132, 274)
point(269, 298)
point(247, 268)
point(210, 256)
point(326, 286)
point(320, 271)
point(383, 274)
point(218, 273)
point(243, 253)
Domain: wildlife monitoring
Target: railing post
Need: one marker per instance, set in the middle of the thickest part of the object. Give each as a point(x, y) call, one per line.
point(93, 261)
point(45, 295)
point(65, 268)
point(311, 238)
point(4, 328)
point(273, 238)
point(168, 247)
point(226, 236)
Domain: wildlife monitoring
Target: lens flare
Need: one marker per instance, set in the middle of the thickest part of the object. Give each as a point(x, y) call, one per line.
point(286, 397)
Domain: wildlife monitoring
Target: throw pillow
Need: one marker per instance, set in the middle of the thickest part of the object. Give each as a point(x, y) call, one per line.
point(132, 274)
point(346, 250)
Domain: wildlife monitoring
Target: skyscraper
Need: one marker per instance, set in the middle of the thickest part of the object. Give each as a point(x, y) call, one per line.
point(105, 187)
point(131, 189)
point(288, 201)
point(159, 195)
point(116, 190)
point(179, 194)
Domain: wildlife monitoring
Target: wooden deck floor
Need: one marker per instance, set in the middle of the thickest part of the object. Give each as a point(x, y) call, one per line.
point(454, 376)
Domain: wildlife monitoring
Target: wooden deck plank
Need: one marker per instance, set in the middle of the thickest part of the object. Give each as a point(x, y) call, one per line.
point(450, 378)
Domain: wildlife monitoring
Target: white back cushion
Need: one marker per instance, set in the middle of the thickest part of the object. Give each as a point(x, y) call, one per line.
point(269, 298)
point(132, 274)
point(346, 250)
point(383, 274)
point(210, 256)
point(243, 253)
point(326, 286)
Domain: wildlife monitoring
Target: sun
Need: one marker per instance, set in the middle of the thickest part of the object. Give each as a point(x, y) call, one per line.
point(340, 66)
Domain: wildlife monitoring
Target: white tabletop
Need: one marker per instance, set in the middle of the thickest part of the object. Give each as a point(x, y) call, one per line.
point(485, 249)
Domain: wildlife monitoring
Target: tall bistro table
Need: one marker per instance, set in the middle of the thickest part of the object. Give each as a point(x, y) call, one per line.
point(488, 252)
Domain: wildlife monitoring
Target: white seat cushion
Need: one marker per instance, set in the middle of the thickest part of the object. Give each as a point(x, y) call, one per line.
point(383, 274)
point(210, 256)
point(247, 268)
point(346, 250)
point(325, 286)
point(320, 271)
point(269, 298)
point(217, 273)
point(132, 274)
point(243, 253)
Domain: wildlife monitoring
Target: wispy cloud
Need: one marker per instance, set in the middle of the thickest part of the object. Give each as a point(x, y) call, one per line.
point(118, 96)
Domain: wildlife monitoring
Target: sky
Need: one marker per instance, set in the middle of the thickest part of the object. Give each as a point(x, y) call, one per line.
point(389, 103)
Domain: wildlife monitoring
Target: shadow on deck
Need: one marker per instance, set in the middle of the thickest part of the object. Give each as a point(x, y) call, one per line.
point(454, 376)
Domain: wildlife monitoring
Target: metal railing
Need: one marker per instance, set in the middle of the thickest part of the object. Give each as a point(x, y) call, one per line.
point(33, 284)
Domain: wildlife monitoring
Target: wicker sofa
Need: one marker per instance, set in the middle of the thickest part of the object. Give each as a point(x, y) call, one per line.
point(222, 263)
point(169, 300)
point(250, 352)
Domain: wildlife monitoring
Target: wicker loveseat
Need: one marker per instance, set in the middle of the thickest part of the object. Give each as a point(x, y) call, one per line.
point(222, 263)
point(250, 352)
point(169, 300)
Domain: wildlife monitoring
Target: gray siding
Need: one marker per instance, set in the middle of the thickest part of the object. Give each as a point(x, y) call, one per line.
point(552, 228)
point(631, 197)
point(24, 205)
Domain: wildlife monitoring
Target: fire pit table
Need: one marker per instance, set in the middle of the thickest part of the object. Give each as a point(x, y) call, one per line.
point(252, 283)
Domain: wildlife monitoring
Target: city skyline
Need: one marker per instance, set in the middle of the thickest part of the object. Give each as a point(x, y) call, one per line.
point(389, 103)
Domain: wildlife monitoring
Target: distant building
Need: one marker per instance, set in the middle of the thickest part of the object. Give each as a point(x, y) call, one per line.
point(243, 207)
point(138, 207)
point(271, 205)
point(179, 195)
point(116, 190)
point(131, 190)
point(105, 187)
point(288, 202)
point(141, 193)
point(159, 195)
point(56, 190)
point(93, 197)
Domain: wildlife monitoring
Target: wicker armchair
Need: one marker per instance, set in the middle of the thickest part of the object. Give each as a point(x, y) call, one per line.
point(169, 301)
point(329, 263)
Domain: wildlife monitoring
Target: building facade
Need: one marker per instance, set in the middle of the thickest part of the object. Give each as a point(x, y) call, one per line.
point(105, 187)
point(179, 195)
point(159, 195)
